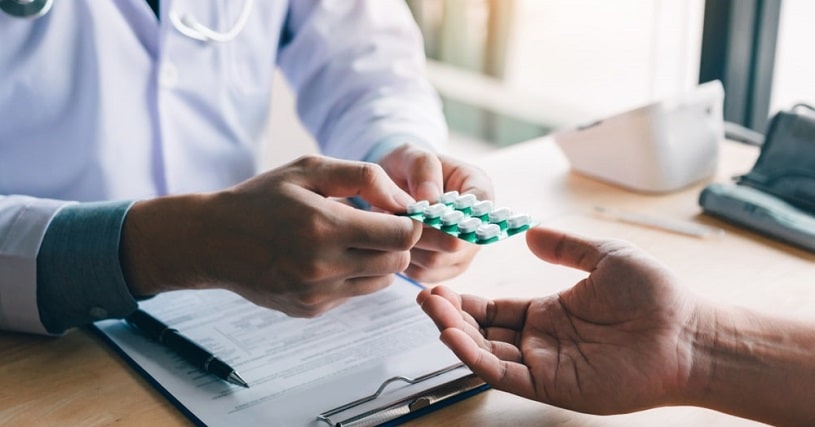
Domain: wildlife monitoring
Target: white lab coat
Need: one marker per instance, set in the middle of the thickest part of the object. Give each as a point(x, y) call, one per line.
point(101, 101)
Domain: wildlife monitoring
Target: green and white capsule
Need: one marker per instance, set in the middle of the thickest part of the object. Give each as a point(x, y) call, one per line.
point(481, 208)
point(448, 197)
point(452, 218)
point(519, 221)
point(487, 231)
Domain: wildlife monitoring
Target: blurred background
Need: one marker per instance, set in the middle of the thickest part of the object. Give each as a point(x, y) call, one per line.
point(512, 70)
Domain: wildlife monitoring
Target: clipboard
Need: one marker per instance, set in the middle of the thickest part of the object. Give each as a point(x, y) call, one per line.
point(407, 408)
point(375, 360)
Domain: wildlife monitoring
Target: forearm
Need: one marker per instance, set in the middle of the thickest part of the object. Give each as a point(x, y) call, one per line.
point(755, 366)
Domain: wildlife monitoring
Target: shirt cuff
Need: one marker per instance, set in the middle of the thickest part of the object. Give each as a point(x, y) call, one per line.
point(79, 275)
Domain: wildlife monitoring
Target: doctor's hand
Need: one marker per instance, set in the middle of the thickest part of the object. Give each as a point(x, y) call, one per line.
point(616, 342)
point(426, 175)
point(279, 239)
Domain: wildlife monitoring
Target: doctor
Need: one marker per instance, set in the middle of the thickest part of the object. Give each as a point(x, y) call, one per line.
point(127, 142)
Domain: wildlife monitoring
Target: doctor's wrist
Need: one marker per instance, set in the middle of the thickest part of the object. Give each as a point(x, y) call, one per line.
point(154, 250)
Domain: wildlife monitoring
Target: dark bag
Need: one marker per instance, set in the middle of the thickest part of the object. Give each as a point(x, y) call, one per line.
point(777, 196)
point(786, 166)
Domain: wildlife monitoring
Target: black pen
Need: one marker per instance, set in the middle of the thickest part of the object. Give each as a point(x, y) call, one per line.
point(185, 347)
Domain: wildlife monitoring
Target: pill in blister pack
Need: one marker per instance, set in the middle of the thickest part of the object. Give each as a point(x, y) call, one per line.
point(470, 219)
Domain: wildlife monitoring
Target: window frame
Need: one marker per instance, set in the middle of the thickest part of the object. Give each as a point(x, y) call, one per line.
point(739, 40)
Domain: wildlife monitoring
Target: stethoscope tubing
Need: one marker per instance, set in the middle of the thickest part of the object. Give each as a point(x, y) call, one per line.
point(185, 24)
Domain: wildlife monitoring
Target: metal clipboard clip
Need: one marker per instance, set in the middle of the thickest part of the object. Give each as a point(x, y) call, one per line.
point(457, 388)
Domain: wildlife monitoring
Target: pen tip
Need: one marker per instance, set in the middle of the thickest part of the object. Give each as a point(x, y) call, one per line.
point(234, 378)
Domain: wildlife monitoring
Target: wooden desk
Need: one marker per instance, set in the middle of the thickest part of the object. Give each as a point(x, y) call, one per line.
point(78, 380)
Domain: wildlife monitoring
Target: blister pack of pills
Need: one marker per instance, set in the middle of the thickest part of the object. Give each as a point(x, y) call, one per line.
point(470, 219)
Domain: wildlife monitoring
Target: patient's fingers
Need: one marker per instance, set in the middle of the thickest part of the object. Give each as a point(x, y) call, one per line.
point(503, 375)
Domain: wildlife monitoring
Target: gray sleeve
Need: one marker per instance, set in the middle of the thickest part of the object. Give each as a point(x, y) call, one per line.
point(79, 276)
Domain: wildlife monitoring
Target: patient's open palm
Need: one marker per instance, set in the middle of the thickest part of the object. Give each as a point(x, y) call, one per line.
point(615, 342)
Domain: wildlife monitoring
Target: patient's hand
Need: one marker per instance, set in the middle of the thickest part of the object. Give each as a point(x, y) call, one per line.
point(618, 341)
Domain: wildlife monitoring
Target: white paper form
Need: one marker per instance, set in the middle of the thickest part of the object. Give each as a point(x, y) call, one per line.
point(296, 368)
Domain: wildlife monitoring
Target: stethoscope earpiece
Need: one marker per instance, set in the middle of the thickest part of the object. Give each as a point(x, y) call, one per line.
point(31, 9)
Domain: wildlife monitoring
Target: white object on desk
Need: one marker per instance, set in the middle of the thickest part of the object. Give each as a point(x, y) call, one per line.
point(657, 148)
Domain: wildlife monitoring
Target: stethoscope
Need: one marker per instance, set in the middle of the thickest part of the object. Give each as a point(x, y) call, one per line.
point(185, 24)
